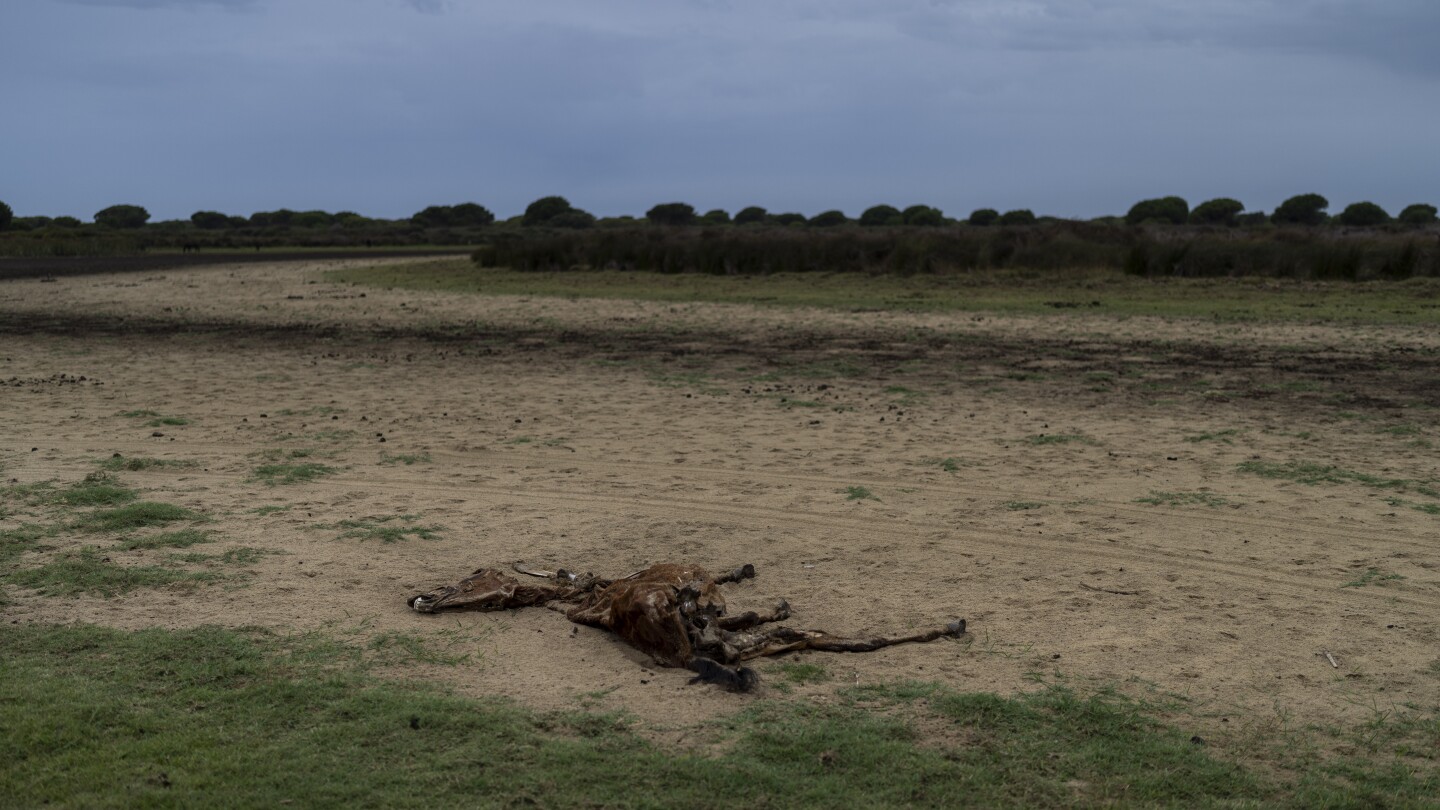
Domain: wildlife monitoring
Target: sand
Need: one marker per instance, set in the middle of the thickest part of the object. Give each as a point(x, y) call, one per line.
point(1006, 460)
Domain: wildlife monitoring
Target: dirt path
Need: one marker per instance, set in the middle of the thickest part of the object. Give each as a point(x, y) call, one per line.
point(1007, 461)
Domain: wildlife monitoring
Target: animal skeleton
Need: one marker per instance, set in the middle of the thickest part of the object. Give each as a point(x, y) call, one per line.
point(674, 613)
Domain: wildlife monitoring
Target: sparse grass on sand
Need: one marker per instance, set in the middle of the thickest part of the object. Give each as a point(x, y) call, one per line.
point(251, 718)
point(1102, 292)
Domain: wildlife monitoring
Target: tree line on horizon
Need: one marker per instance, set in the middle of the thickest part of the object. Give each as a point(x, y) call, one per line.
point(557, 212)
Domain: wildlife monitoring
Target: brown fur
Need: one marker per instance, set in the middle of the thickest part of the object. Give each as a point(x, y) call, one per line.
point(674, 613)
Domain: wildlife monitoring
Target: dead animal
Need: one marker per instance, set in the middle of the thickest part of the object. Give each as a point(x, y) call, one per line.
point(674, 613)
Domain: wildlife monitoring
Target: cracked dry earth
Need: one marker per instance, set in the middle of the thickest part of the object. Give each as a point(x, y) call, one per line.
point(1072, 485)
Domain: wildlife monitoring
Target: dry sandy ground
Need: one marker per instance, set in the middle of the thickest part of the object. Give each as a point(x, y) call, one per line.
point(608, 435)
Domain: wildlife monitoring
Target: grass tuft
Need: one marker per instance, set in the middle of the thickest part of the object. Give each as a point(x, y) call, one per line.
point(281, 474)
point(134, 516)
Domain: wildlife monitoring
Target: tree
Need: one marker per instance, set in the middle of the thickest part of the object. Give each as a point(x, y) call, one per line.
point(788, 219)
point(880, 215)
point(472, 214)
point(1302, 209)
point(545, 209)
point(278, 218)
point(1417, 214)
point(1219, 211)
point(675, 213)
point(717, 216)
point(6, 215)
point(66, 222)
point(122, 216)
point(1363, 215)
point(210, 220)
point(984, 217)
point(1173, 210)
point(828, 219)
point(923, 216)
point(751, 214)
point(574, 218)
point(1019, 216)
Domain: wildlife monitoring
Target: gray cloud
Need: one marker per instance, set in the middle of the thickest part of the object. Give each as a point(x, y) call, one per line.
point(1072, 108)
point(158, 4)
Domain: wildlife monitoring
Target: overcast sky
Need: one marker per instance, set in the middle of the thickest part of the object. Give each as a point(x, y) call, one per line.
point(1068, 107)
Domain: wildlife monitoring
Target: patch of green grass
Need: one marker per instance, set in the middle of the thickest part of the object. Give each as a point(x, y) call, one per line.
point(396, 647)
point(374, 528)
point(97, 489)
point(950, 464)
point(275, 454)
point(1401, 430)
point(119, 463)
point(1308, 473)
point(17, 541)
point(183, 538)
point(520, 440)
point(282, 474)
point(134, 516)
point(1021, 506)
point(1158, 498)
point(200, 717)
point(270, 509)
point(38, 492)
point(1058, 438)
point(407, 459)
point(87, 571)
point(858, 494)
point(1372, 576)
point(138, 414)
point(800, 673)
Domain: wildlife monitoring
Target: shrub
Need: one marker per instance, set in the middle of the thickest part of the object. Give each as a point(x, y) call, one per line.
point(1020, 216)
point(66, 222)
point(1173, 210)
point(717, 216)
point(753, 214)
point(675, 213)
point(828, 219)
point(545, 209)
point(878, 215)
point(923, 215)
point(1252, 219)
point(984, 217)
point(1219, 211)
point(210, 220)
point(6, 215)
point(1363, 215)
point(122, 216)
point(1302, 209)
point(1417, 214)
